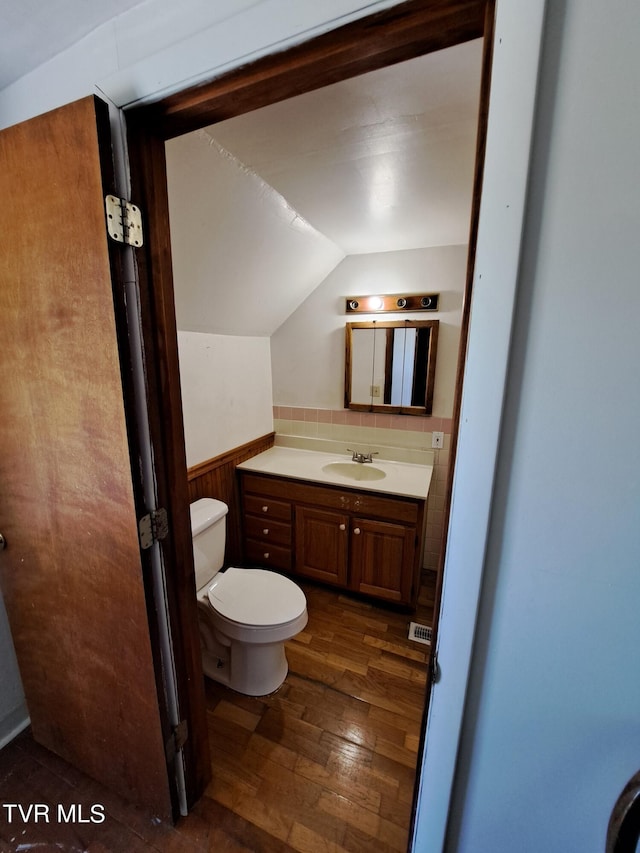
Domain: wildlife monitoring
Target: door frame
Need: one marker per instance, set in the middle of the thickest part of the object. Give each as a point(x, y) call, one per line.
point(397, 34)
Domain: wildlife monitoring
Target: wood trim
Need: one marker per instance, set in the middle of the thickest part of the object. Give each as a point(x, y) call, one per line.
point(216, 478)
point(390, 325)
point(233, 455)
point(394, 35)
point(164, 406)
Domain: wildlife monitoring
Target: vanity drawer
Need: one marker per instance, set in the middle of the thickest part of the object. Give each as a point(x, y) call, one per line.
point(265, 554)
point(266, 507)
point(267, 530)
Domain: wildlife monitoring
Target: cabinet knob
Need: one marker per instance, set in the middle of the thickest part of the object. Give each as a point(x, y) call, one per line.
point(356, 530)
point(266, 556)
point(265, 509)
point(343, 527)
point(265, 531)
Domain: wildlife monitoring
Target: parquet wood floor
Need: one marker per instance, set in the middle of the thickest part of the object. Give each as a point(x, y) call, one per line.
point(327, 763)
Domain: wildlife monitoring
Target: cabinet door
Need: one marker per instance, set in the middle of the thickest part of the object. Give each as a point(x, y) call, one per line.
point(382, 559)
point(321, 545)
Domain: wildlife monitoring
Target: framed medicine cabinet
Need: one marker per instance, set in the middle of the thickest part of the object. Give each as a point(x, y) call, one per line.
point(390, 366)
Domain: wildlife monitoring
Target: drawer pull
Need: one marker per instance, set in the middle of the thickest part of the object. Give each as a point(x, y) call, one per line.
point(266, 556)
point(356, 530)
point(266, 531)
point(343, 527)
point(265, 509)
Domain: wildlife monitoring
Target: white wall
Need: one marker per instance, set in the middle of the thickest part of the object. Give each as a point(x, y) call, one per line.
point(552, 728)
point(307, 350)
point(226, 392)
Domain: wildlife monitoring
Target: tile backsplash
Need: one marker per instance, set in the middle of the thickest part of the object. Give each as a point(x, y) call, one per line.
point(400, 431)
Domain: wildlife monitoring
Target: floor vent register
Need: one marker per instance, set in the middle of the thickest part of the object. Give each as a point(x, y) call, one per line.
point(420, 633)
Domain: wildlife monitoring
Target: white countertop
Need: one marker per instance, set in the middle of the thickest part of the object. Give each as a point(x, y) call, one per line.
point(400, 478)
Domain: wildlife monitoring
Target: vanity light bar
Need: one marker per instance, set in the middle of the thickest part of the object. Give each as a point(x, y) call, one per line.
point(393, 302)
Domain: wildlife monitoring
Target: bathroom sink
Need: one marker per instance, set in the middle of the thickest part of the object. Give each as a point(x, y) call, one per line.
point(354, 470)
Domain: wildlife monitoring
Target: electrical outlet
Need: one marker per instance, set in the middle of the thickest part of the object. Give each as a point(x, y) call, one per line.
point(437, 439)
point(375, 390)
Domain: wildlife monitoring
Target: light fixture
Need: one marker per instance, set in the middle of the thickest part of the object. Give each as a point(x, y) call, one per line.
point(393, 302)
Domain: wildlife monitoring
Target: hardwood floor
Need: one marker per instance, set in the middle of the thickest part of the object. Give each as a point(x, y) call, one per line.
point(327, 763)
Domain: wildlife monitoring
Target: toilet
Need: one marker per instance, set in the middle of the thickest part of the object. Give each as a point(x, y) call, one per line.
point(244, 615)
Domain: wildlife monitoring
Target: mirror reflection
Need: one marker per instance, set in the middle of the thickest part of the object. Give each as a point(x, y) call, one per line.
point(390, 366)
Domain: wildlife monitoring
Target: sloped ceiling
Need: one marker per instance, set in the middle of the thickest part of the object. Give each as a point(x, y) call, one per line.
point(265, 205)
point(381, 162)
point(243, 258)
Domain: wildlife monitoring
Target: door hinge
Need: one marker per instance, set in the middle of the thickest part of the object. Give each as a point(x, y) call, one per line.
point(124, 221)
point(153, 527)
point(176, 740)
point(434, 668)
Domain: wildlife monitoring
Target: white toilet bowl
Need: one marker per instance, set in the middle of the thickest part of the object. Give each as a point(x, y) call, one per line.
point(250, 614)
point(244, 615)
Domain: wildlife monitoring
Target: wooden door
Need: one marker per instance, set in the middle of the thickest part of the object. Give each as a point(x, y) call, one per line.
point(71, 572)
point(382, 559)
point(322, 539)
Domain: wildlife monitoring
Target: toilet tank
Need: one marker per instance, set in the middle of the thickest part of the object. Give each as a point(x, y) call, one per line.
point(208, 532)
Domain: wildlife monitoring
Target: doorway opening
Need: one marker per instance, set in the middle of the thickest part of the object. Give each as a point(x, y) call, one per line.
point(416, 31)
point(370, 179)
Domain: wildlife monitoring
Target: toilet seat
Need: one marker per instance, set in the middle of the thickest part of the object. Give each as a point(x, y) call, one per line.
point(245, 616)
point(256, 598)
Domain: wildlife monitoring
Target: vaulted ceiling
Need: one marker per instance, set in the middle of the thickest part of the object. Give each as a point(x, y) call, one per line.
point(270, 202)
point(377, 163)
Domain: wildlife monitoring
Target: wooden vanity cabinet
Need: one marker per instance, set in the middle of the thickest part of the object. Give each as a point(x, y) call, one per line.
point(354, 540)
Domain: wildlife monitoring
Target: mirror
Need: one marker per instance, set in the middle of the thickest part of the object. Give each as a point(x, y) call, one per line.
point(390, 366)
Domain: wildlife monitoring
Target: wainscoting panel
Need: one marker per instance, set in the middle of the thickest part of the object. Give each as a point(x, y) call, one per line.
point(216, 478)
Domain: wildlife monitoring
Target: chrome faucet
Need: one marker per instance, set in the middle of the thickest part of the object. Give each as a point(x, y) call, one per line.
point(361, 457)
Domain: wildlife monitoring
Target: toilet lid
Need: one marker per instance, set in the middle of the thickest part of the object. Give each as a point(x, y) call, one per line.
point(256, 597)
